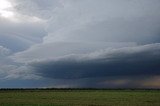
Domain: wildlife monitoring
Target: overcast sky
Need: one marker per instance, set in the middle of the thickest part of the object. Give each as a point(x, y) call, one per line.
point(80, 43)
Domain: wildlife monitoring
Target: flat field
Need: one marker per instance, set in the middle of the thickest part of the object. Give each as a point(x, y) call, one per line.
point(80, 98)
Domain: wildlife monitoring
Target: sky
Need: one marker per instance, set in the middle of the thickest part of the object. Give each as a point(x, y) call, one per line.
point(80, 43)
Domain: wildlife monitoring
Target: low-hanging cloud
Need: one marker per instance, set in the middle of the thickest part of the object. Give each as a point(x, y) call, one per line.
point(128, 61)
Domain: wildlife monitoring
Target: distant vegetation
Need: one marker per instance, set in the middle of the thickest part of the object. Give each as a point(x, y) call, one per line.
point(79, 97)
point(3, 89)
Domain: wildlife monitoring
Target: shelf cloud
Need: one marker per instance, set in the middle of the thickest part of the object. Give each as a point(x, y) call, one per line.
point(80, 43)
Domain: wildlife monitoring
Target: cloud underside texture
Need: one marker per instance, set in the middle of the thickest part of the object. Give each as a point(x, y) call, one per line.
point(128, 61)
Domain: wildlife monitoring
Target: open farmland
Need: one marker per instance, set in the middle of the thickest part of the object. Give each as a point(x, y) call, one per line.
point(79, 98)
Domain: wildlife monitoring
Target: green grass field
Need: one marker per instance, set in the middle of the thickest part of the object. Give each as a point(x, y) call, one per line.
point(80, 98)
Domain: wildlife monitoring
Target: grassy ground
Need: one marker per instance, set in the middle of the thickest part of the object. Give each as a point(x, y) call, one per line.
point(80, 98)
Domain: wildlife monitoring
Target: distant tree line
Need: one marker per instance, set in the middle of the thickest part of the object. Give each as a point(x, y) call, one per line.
point(70, 89)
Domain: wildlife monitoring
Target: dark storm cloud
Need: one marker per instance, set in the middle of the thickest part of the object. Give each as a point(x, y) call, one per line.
point(80, 43)
point(129, 61)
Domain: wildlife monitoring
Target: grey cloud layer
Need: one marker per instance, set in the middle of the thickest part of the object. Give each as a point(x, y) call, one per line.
point(20, 36)
point(85, 40)
point(43, 9)
point(4, 51)
point(59, 49)
point(128, 61)
point(92, 20)
point(105, 20)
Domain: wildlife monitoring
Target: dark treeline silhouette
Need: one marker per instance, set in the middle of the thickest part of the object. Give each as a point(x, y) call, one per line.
point(70, 89)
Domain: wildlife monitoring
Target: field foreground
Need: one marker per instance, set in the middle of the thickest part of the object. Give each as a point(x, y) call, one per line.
point(80, 98)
